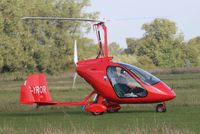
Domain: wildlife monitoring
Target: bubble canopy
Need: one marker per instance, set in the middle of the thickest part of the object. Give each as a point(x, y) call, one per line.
point(144, 76)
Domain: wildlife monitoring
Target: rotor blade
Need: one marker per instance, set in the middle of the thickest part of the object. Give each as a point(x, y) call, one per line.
point(75, 75)
point(136, 18)
point(60, 18)
point(75, 53)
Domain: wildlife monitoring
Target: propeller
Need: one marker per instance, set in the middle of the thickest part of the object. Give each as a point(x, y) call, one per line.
point(75, 53)
point(75, 76)
point(75, 62)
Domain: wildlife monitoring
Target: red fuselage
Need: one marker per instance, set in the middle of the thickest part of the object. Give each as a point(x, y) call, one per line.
point(114, 83)
point(94, 71)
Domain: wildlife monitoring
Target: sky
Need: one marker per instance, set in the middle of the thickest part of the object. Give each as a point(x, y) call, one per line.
point(127, 16)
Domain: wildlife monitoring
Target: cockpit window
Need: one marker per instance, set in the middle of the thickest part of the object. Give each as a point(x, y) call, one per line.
point(124, 85)
point(144, 76)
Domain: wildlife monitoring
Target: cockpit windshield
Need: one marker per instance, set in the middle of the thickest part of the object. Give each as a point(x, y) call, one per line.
point(144, 76)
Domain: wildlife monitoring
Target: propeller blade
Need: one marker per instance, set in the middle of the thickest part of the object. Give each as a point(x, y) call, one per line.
point(75, 53)
point(75, 75)
point(75, 62)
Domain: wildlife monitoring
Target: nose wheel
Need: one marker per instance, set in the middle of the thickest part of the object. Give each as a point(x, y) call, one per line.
point(160, 108)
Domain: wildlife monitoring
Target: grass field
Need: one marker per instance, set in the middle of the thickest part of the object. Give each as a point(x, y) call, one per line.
point(182, 116)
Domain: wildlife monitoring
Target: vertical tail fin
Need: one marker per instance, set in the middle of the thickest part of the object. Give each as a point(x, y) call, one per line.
point(35, 90)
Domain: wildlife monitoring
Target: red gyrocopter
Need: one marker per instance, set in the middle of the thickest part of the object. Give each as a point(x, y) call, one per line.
point(114, 83)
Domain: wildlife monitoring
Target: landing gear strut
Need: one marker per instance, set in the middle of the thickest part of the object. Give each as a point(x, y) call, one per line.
point(161, 107)
point(97, 107)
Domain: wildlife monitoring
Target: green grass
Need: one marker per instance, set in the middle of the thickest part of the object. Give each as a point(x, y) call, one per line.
point(182, 116)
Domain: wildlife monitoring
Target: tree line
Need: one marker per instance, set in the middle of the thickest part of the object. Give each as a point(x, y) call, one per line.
point(162, 46)
point(34, 46)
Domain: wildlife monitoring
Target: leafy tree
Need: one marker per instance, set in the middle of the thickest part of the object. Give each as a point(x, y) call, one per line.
point(160, 29)
point(191, 52)
point(161, 44)
point(87, 49)
point(114, 49)
point(132, 44)
point(36, 45)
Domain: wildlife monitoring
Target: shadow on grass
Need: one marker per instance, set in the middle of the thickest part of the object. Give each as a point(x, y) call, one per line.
point(68, 112)
point(137, 111)
point(44, 113)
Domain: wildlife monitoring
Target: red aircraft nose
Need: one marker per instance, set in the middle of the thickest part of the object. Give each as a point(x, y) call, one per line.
point(170, 95)
point(167, 93)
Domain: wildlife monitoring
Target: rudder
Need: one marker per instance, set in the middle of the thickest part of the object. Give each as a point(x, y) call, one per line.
point(35, 90)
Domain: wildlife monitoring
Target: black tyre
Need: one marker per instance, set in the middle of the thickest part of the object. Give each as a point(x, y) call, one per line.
point(97, 113)
point(160, 108)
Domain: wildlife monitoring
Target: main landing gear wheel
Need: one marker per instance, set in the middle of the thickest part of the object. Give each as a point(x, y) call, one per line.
point(97, 113)
point(160, 108)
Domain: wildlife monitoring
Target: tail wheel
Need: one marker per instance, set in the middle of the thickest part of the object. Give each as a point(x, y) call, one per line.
point(161, 108)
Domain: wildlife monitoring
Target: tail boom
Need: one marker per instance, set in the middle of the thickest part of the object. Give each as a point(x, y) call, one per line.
point(35, 91)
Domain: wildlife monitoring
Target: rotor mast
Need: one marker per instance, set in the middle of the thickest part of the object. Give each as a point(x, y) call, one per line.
point(103, 46)
point(105, 41)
